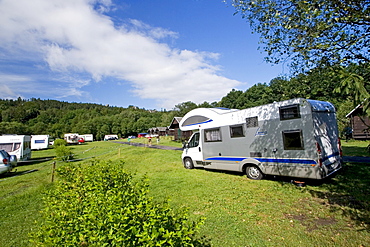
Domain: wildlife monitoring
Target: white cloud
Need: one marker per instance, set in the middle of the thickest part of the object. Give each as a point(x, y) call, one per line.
point(74, 36)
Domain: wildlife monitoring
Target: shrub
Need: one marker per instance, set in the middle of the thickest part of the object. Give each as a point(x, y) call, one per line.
point(100, 205)
point(63, 153)
point(60, 142)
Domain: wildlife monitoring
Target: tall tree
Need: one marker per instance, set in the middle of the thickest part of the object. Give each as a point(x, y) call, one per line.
point(310, 31)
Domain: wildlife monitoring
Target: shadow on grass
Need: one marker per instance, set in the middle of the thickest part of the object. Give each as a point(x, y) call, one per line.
point(356, 151)
point(15, 173)
point(349, 193)
point(34, 161)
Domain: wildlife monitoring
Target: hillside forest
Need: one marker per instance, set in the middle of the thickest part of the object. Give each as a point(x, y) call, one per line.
point(55, 118)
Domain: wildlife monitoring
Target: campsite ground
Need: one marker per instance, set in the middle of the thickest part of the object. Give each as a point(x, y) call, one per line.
point(238, 211)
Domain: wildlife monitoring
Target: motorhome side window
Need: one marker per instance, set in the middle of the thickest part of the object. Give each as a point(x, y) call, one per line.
point(236, 131)
point(293, 139)
point(212, 135)
point(289, 112)
point(194, 142)
point(252, 122)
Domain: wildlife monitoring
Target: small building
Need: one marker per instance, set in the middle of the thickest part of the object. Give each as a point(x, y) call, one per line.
point(174, 129)
point(161, 131)
point(360, 123)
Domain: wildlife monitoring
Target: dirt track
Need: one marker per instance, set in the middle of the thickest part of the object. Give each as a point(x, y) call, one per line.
point(152, 146)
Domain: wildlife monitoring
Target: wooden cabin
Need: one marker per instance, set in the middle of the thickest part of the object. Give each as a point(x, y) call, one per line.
point(360, 124)
point(161, 131)
point(174, 129)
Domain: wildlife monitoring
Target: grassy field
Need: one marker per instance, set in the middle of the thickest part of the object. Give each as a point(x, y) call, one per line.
point(238, 211)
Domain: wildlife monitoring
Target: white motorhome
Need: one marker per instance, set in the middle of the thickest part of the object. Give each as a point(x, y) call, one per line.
point(87, 137)
point(71, 138)
point(18, 145)
point(39, 142)
point(294, 138)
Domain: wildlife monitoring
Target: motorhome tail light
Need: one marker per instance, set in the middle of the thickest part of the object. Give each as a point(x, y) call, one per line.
point(5, 161)
point(340, 147)
point(318, 148)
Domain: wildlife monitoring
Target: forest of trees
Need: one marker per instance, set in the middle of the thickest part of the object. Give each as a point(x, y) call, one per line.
point(55, 118)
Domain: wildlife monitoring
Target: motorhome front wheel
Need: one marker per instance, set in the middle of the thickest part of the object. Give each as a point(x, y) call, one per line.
point(188, 163)
point(253, 172)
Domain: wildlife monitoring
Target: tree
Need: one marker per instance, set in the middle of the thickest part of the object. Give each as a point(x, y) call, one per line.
point(310, 32)
point(185, 107)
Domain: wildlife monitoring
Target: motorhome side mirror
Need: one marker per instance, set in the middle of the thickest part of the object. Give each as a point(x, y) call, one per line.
point(185, 145)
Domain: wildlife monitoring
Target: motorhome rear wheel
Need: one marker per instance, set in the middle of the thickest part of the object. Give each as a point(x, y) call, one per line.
point(253, 172)
point(188, 163)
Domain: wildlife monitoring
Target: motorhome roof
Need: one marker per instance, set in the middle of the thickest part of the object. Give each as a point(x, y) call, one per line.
point(207, 117)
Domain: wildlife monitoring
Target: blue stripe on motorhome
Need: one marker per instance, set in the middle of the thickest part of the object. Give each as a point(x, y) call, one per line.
point(269, 160)
point(208, 121)
point(330, 156)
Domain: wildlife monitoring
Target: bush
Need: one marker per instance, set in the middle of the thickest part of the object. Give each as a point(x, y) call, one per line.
point(100, 205)
point(60, 142)
point(63, 153)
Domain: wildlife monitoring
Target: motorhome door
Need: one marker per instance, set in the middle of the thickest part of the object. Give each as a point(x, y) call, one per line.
point(194, 149)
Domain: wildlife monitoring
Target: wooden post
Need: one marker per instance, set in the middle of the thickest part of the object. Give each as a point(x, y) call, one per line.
point(119, 152)
point(52, 173)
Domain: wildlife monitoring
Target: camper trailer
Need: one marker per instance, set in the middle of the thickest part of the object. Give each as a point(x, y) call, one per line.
point(71, 138)
point(39, 142)
point(18, 145)
point(87, 137)
point(295, 138)
point(110, 137)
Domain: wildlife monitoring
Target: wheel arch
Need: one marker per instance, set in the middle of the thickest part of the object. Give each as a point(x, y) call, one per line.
point(251, 162)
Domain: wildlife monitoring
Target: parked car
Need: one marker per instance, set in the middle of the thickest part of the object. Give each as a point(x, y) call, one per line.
point(7, 162)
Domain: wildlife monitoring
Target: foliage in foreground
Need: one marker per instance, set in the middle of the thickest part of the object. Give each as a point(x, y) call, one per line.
point(100, 205)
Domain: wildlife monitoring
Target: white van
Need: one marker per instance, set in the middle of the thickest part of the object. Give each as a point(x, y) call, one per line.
point(295, 138)
point(18, 145)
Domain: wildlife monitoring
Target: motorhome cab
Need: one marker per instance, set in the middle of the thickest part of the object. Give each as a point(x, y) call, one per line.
point(18, 145)
point(295, 138)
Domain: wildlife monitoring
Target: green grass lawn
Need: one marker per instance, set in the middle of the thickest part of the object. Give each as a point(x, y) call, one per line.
point(238, 211)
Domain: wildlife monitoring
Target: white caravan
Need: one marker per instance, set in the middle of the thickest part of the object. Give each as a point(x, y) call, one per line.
point(18, 145)
point(71, 138)
point(110, 137)
point(87, 137)
point(295, 138)
point(39, 142)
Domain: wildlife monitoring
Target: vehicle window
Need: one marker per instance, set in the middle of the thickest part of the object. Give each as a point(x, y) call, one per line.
point(6, 146)
point(195, 120)
point(252, 122)
point(289, 112)
point(293, 140)
point(26, 145)
point(194, 141)
point(17, 145)
point(212, 135)
point(236, 131)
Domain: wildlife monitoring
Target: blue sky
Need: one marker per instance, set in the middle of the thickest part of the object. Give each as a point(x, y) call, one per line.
point(153, 54)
